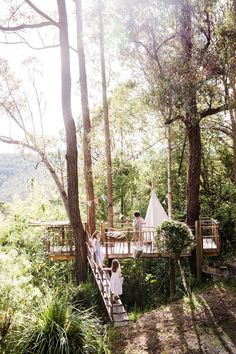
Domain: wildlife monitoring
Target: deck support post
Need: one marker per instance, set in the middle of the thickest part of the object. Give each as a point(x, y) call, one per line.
point(199, 253)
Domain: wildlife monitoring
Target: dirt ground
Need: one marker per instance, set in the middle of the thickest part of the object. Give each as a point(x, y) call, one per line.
point(205, 325)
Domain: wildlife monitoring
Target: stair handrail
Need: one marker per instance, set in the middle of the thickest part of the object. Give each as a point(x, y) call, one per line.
point(100, 279)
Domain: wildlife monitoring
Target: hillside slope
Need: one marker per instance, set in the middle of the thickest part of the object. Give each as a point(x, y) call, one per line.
point(16, 174)
point(207, 325)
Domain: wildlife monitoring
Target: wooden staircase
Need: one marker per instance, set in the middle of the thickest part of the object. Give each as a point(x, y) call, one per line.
point(116, 312)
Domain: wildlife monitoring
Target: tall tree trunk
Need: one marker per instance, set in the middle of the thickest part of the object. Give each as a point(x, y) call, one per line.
point(170, 209)
point(71, 146)
point(169, 173)
point(191, 120)
point(233, 86)
point(86, 121)
point(194, 171)
point(234, 147)
point(106, 120)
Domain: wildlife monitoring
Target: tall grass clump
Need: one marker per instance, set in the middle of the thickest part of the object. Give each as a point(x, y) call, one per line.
point(56, 327)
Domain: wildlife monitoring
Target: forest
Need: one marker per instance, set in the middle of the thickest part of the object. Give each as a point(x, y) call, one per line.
point(118, 164)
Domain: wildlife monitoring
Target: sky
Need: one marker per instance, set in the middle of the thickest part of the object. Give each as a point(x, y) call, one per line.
point(49, 86)
point(50, 83)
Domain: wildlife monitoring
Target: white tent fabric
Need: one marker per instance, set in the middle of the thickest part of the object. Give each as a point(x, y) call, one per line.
point(155, 212)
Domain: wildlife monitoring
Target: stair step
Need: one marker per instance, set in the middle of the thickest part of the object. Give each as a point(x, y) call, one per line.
point(121, 324)
point(118, 303)
point(117, 310)
point(120, 317)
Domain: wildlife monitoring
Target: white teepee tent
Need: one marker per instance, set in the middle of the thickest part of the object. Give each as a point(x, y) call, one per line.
point(155, 212)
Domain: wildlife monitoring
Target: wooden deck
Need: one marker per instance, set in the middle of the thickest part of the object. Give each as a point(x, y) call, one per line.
point(111, 250)
point(122, 249)
point(123, 241)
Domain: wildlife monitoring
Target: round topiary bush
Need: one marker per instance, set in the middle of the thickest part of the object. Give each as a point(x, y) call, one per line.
point(174, 238)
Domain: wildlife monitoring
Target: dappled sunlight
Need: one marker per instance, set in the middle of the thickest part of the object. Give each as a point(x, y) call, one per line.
point(221, 313)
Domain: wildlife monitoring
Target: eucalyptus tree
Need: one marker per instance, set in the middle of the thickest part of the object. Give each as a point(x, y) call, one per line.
point(226, 46)
point(178, 66)
point(21, 20)
point(233, 85)
point(106, 116)
point(88, 175)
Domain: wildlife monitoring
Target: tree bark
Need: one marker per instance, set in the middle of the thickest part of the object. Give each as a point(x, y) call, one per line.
point(71, 146)
point(194, 171)
point(234, 147)
point(169, 174)
point(86, 121)
point(191, 121)
point(233, 86)
point(106, 120)
point(191, 118)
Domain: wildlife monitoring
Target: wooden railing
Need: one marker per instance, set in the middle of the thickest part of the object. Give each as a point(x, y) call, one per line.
point(209, 229)
point(122, 240)
point(116, 312)
point(207, 241)
point(102, 279)
point(59, 240)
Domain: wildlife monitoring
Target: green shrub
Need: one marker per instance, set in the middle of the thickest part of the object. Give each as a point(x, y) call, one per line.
point(174, 238)
point(16, 289)
point(144, 280)
point(87, 295)
point(56, 327)
point(134, 315)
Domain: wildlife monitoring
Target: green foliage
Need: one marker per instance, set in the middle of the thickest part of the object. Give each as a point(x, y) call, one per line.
point(218, 193)
point(174, 238)
point(26, 274)
point(134, 315)
point(125, 179)
point(112, 337)
point(144, 283)
point(55, 327)
point(87, 295)
point(16, 288)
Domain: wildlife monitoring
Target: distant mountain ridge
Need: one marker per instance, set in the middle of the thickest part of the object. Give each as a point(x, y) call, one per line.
point(16, 172)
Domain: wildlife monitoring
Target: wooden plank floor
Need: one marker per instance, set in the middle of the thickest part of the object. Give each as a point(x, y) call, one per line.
point(124, 249)
point(118, 249)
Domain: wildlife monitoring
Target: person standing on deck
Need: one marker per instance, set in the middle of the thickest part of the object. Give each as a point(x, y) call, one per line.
point(98, 251)
point(116, 281)
point(138, 222)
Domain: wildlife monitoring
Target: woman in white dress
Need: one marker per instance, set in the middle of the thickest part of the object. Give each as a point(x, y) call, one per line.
point(116, 281)
point(97, 248)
